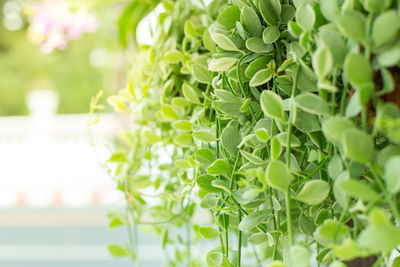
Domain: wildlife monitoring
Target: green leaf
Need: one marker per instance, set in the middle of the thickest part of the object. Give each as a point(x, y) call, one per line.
point(173, 56)
point(182, 125)
point(278, 175)
point(205, 183)
point(252, 158)
point(276, 264)
point(201, 74)
point(261, 238)
point(358, 190)
point(222, 64)
point(190, 93)
point(390, 56)
point(204, 136)
point(224, 42)
point(287, 14)
point(314, 192)
point(118, 157)
point(299, 256)
point(252, 220)
point(257, 45)
point(271, 34)
point(169, 112)
point(270, 11)
point(305, 17)
point(251, 22)
point(272, 105)
point(262, 134)
point(294, 141)
point(312, 103)
point(358, 145)
point(376, 6)
point(117, 251)
point(352, 25)
point(150, 137)
point(349, 250)
point(184, 140)
point(230, 139)
point(392, 174)
point(208, 232)
point(380, 236)
point(385, 27)
point(322, 61)
point(261, 77)
point(182, 164)
point(307, 122)
point(334, 127)
point(326, 233)
point(256, 65)
point(229, 16)
point(276, 148)
point(205, 156)
point(358, 70)
point(330, 9)
point(219, 167)
point(226, 96)
point(189, 29)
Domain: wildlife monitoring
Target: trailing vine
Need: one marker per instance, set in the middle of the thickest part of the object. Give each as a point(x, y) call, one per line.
point(280, 119)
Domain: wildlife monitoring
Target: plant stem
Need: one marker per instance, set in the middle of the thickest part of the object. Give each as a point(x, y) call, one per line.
point(289, 133)
point(387, 194)
point(239, 240)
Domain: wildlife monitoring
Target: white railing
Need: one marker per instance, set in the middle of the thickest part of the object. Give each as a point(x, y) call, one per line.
point(46, 159)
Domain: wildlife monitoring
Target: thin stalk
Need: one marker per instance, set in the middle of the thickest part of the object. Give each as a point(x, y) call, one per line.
point(289, 133)
point(239, 240)
point(226, 225)
point(382, 187)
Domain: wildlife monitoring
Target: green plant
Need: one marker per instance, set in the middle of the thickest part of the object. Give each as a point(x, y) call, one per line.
point(281, 118)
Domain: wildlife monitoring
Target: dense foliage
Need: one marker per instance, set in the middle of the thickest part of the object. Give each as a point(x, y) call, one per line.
point(280, 118)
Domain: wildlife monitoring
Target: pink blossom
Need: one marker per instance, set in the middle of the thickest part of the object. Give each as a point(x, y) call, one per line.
point(53, 24)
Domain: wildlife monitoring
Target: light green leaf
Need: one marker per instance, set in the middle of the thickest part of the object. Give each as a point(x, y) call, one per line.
point(358, 145)
point(229, 16)
point(312, 103)
point(221, 64)
point(330, 9)
point(352, 25)
point(278, 175)
point(205, 156)
point(376, 6)
point(385, 27)
point(270, 11)
point(219, 167)
point(261, 77)
point(326, 233)
point(182, 125)
point(117, 251)
point(190, 93)
point(314, 192)
point(224, 42)
point(226, 96)
point(256, 65)
point(334, 127)
point(252, 220)
point(322, 61)
point(173, 56)
point(252, 158)
point(358, 190)
point(182, 164)
point(257, 45)
point(358, 70)
point(118, 157)
point(299, 256)
point(201, 74)
point(260, 238)
point(305, 17)
point(205, 183)
point(262, 134)
point(271, 34)
point(251, 22)
point(230, 139)
point(204, 136)
point(208, 232)
point(276, 148)
point(272, 105)
point(184, 140)
point(294, 141)
point(150, 137)
point(392, 174)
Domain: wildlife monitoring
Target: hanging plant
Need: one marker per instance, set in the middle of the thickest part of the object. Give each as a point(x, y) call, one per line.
point(279, 118)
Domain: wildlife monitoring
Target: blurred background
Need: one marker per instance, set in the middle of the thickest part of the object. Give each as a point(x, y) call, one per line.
point(55, 55)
